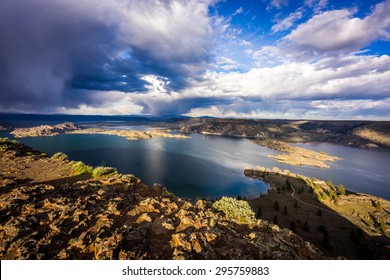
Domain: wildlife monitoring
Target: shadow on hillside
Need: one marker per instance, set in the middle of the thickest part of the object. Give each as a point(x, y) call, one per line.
point(334, 234)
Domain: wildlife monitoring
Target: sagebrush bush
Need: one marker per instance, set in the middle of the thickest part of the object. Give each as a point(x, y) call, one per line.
point(81, 168)
point(236, 210)
point(60, 156)
point(103, 170)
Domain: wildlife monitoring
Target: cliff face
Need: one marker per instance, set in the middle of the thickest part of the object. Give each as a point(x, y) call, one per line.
point(48, 213)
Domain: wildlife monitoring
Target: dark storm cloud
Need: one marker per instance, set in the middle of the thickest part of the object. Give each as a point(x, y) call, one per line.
point(179, 106)
point(52, 52)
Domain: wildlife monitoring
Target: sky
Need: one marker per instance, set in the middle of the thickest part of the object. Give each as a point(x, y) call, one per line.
point(285, 59)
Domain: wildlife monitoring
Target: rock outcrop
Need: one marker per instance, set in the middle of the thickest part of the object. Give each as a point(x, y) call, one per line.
point(53, 214)
point(44, 130)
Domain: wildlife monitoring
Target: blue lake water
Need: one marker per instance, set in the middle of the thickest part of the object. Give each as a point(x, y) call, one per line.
point(212, 166)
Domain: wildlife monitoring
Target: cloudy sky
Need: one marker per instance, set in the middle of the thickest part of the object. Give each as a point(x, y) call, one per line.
point(316, 59)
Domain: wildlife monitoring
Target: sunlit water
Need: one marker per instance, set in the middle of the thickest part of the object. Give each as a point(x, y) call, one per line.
point(212, 166)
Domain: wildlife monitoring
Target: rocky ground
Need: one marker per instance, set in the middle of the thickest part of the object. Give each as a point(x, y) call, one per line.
point(47, 212)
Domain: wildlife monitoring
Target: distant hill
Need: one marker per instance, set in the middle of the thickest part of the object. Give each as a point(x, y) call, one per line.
point(364, 134)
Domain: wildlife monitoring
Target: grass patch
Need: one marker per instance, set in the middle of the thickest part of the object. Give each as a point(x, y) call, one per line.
point(60, 156)
point(103, 170)
point(236, 210)
point(81, 168)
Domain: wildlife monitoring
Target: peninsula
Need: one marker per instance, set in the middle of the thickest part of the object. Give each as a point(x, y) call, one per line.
point(71, 128)
point(296, 155)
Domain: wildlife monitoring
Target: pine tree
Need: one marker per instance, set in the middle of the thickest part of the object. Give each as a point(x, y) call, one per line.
point(275, 220)
point(306, 227)
point(285, 211)
point(292, 226)
point(326, 241)
point(288, 184)
point(276, 205)
point(341, 189)
point(259, 213)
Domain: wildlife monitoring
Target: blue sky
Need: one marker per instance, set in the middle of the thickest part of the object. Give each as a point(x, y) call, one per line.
point(315, 59)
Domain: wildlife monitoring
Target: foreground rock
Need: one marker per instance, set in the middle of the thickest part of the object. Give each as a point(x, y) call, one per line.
point(53, 214)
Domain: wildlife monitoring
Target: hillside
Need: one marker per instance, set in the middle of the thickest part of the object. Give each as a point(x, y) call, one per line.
point(340, 222)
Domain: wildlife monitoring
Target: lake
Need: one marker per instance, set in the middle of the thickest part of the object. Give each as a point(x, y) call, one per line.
point(212, 166)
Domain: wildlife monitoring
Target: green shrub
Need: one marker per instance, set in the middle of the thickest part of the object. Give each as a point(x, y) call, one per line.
point(341, 189)
point(102, 170)
point(333, 196)
point(4, 140)
point(60, 156)
point(81, 168)
point(237, 210)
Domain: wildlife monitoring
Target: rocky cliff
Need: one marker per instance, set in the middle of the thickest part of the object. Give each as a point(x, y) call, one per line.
point(47, 212)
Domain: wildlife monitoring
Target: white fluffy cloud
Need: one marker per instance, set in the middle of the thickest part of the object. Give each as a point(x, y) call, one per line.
point(338, 31)
point(166, 29)
point(327, 78)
